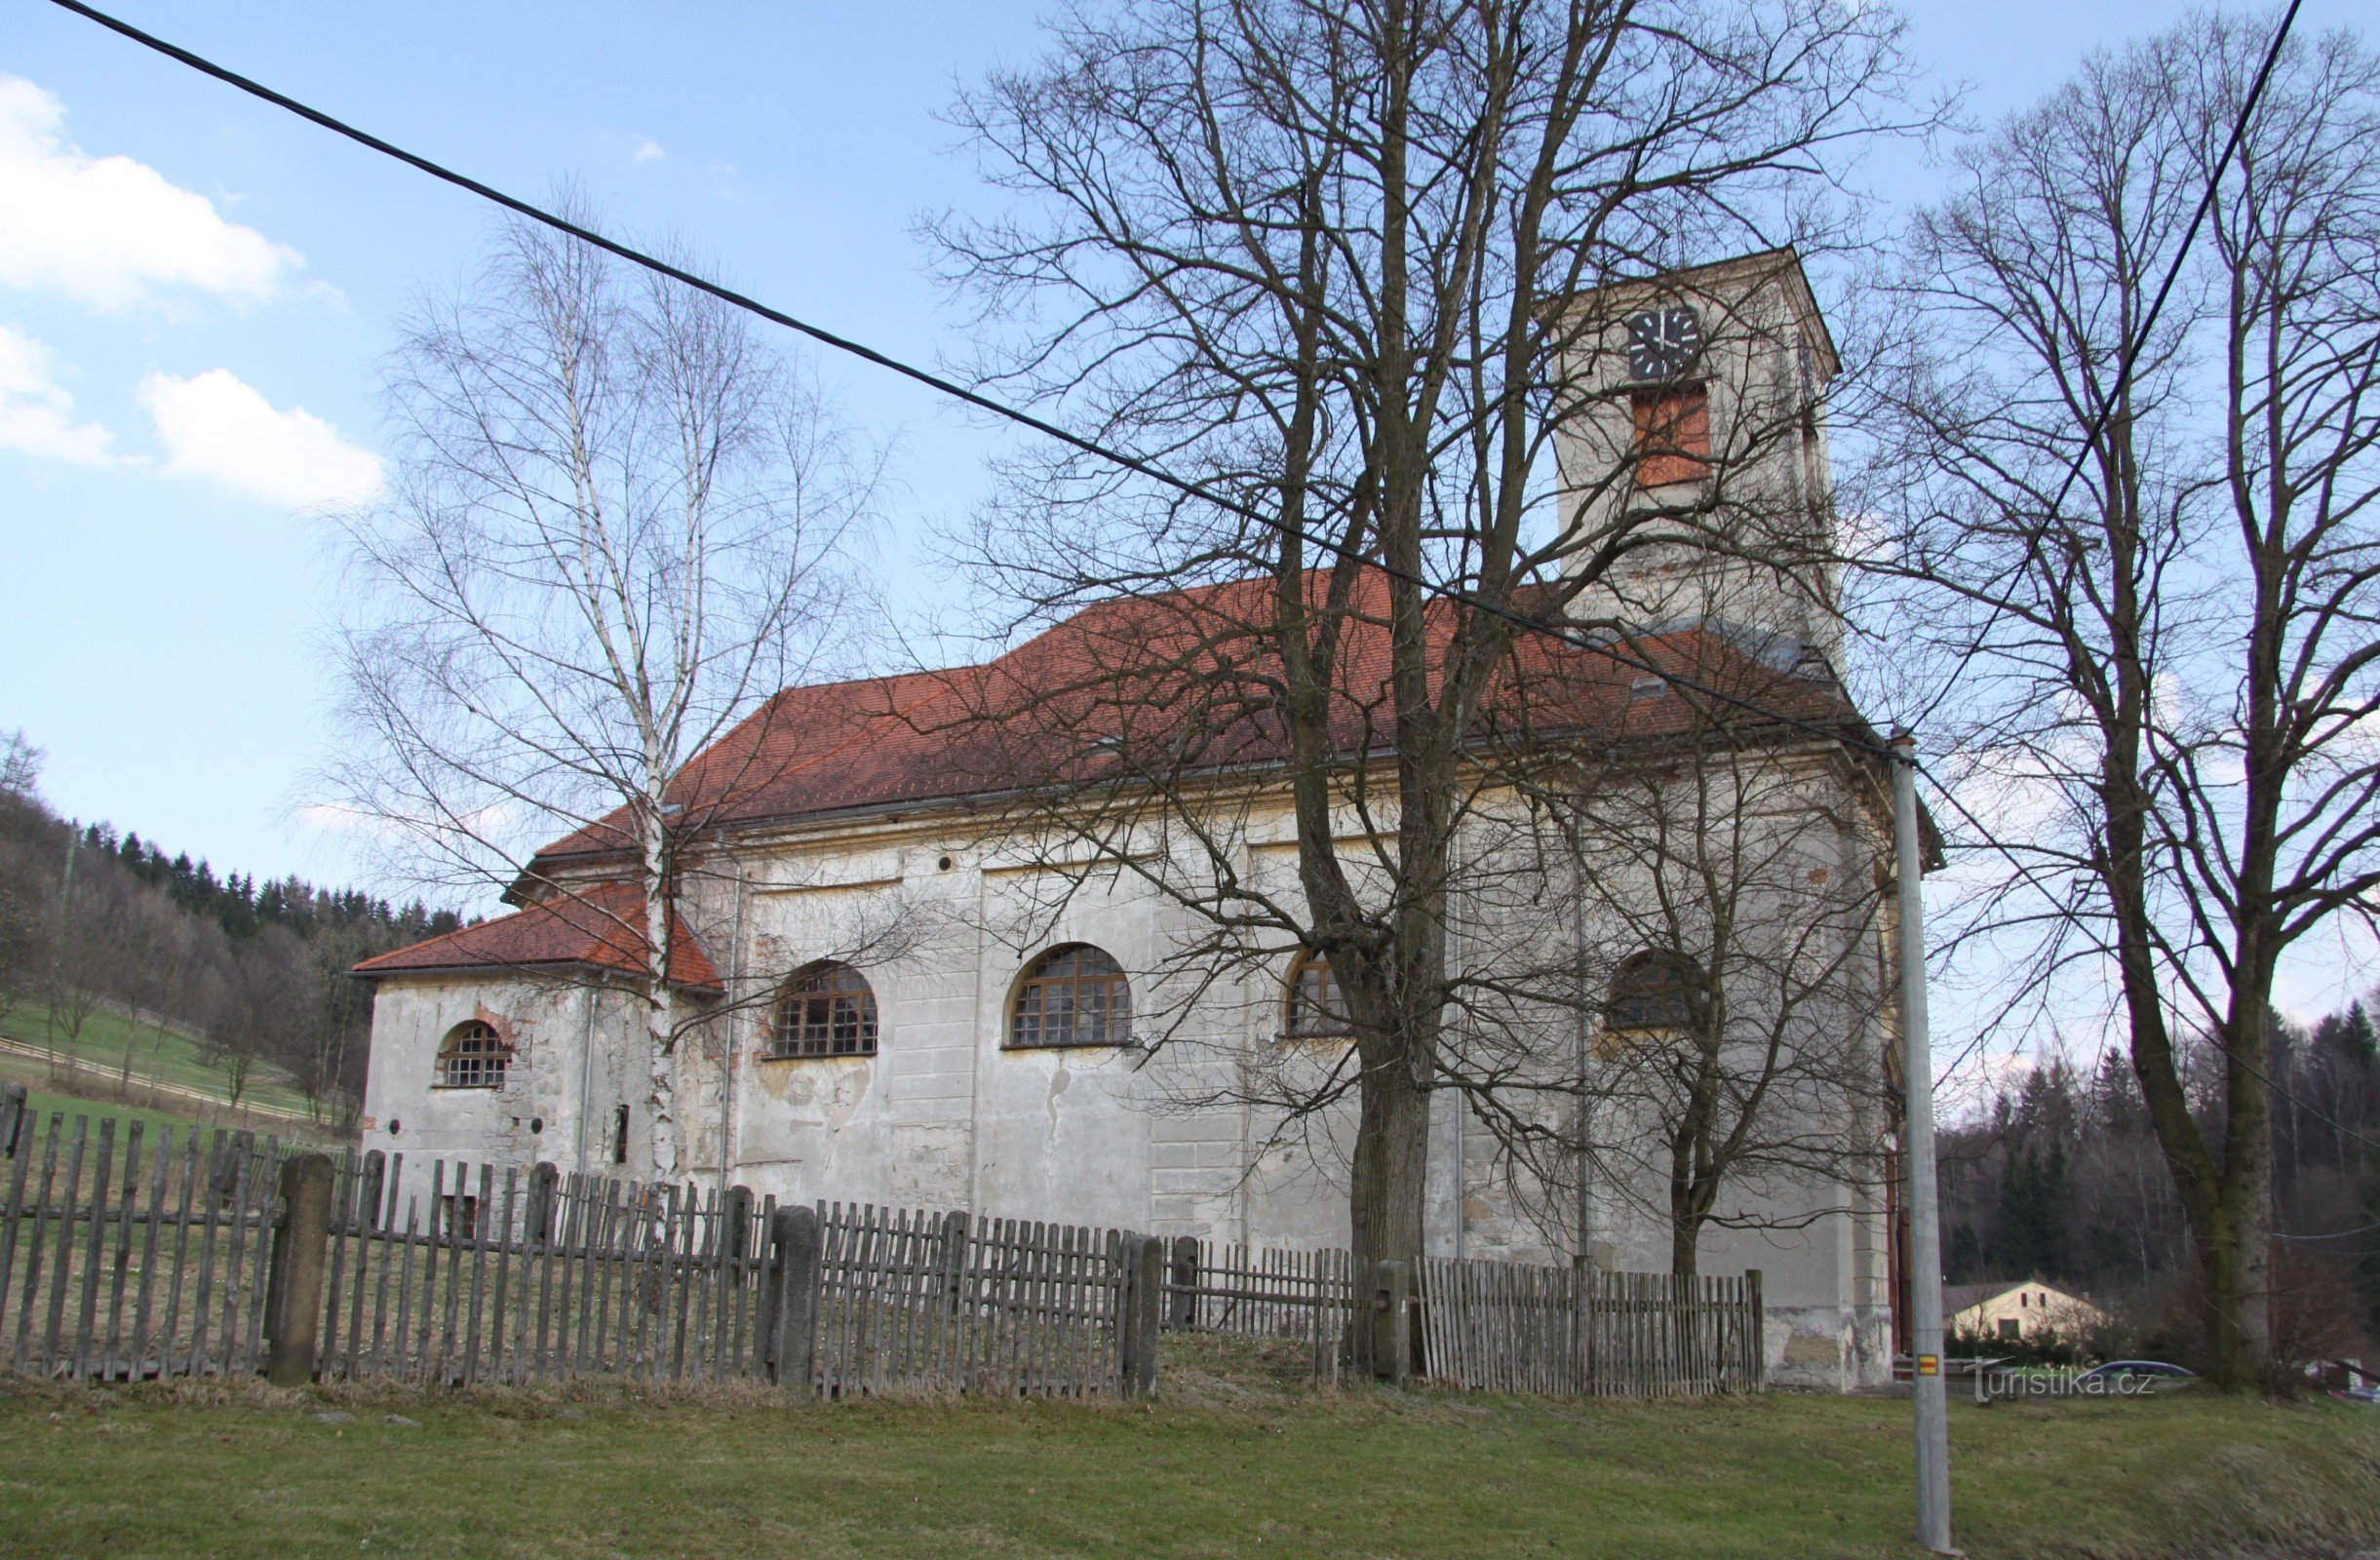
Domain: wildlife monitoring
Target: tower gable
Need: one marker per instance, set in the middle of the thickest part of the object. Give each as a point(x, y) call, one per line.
point(1698, 422)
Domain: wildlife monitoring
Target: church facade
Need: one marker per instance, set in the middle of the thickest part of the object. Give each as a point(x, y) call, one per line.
point(886, 991)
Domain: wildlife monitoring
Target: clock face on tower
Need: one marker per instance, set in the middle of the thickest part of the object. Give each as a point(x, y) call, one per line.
point(1664, 343)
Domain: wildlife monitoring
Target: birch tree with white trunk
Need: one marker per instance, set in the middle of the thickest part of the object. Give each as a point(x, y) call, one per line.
point(617, 521)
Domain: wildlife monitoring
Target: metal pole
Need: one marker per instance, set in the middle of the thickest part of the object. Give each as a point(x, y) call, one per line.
point(1917, 1150)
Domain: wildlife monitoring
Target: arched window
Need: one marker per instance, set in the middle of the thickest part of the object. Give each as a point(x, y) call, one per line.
point(1316, 1008)
point(1075, 995)
point(827, 1010)
point(473, 1056)
point(1654, 991)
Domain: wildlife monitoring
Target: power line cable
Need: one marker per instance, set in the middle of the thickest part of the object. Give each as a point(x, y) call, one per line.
point(936, 382)
point(1182, 485)
point(2129, 358)
point(2336, 1234)
point(2009, 854)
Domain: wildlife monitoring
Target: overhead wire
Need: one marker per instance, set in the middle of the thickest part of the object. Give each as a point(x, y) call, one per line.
point(2128, 359)
point(2336, 1234)
point(1023, 419)
point(1138, 465)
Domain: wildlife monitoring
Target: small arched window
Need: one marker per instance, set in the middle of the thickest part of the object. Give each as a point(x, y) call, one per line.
point(828, 1010)
point(1316, 1008)
point(473, 1056)
point(1075, 995)
point(1654, 991)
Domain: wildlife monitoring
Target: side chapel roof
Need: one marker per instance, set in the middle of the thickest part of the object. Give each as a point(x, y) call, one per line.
point(600, 928)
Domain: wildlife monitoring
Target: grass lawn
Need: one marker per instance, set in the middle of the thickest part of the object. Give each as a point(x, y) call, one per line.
point(1219, 1467)
point(180, 1115)
point(173, 1060)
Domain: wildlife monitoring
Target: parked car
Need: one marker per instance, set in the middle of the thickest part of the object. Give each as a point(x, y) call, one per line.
point(2117, 1370)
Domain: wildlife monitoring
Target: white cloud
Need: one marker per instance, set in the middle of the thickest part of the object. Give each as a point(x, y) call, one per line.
point(214, 426)
point(648, 150)
point(36, 413)
point(109, 231)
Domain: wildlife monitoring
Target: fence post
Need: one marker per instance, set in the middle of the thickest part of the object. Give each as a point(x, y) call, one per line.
point(1144, 1312)
point(955, 1228)
point(294, 1283)
point(735, 1224)
point(1391, 1321)
point(538, 1227)
point(11, 1118)
point(789, 1297)
point(1182, 1283)
point(1759, 1328)
point(371, 1197)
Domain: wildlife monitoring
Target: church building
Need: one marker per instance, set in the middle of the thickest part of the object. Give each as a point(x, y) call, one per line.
point(889, 988)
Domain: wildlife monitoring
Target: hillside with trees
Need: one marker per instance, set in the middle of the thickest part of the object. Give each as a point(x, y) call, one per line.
point(95, 920)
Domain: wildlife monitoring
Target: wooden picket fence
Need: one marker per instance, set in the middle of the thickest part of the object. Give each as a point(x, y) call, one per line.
point(938, 1303)
point(538, 1278)
point(122, 1254)
point(1303, 1297)
point(126, 1255)
point(1504, 1327)
point(124, 1259)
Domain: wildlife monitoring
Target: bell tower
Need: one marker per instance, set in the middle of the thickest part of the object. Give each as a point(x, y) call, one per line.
point(1695, 446)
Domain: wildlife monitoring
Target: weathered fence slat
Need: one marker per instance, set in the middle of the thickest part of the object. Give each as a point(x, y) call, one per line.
point(570, 1275)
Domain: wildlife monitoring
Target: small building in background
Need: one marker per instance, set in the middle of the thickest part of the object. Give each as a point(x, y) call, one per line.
point(2011, 1309)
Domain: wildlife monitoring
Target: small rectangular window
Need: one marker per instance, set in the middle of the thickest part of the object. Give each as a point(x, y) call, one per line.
point(2008, 1327)
point(1672, 435)
point(619, 1136)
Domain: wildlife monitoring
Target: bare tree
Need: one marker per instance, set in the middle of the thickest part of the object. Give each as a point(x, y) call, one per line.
point(619, 523)
point(1309, 255)
point(1729, 947)
point(19, 766)
point(2165, 682)
point(81, 952)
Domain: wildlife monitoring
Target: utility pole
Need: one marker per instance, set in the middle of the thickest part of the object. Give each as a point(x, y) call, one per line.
point(1926, 1383)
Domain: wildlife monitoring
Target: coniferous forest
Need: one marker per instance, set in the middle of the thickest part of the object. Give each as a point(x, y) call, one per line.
point(2062, 1180)
point(93, 919)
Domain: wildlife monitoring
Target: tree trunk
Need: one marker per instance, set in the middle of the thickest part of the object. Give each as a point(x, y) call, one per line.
point(2235, 1248)
point(1389, 1178)
point(1684, 1230)
point(661, 1098)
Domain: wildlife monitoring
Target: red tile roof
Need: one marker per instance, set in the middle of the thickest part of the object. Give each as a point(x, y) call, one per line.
point(1173, 682)
point(599, 928)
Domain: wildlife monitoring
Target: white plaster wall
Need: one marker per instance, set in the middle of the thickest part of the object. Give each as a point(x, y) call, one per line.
point(945, 1116)
point(537, 1113)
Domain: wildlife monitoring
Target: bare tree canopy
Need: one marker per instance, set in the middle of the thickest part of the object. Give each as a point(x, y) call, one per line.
point(1344, 264)
point(620, 523)
point(2166, 685)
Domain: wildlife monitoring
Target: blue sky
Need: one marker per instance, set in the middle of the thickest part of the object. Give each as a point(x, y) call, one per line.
point(178, 385)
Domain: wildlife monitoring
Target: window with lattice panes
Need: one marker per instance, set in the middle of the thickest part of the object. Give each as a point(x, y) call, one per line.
point(473, 1056)
point(1316, 1007)
point(828, 1010)
point(1077, 995)
point(1652, 992)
